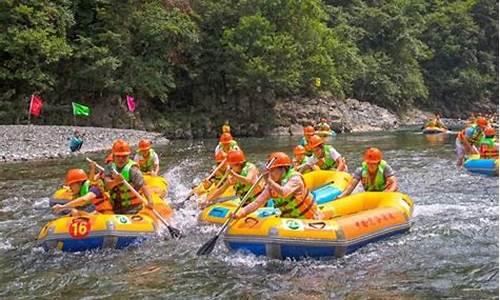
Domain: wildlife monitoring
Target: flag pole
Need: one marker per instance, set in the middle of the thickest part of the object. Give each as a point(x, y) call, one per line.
point(29, 111)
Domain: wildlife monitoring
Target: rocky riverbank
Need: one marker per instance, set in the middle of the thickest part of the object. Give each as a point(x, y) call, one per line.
point(33, 142)
point(348, 115)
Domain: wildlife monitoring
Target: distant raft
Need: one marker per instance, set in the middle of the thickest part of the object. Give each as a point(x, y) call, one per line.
point(325, 187)
point(97, 231)
point(357, 220)
point(475, 164)
point(326, 133)
point(434, 130)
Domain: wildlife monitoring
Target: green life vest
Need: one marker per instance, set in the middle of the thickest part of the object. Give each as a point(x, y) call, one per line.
point(488, 141)
point(240, 188)
point(120, 195)
point(84, 189)
point(233, 145)
point(328, 162)
point(379, 184)
point(290, 206)
point(488, 148)
point(146, 165)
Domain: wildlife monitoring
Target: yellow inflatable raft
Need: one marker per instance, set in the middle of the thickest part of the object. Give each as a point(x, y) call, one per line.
point(355, 221)
point(98, 231)
point(325, 186)
point(434, 130)
point(325, 133)
point(157, 184)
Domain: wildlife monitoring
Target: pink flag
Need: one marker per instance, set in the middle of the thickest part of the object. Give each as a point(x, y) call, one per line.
point(36, 104)
point(131, 103)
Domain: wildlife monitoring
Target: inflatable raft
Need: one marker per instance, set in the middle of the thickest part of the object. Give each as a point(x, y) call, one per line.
point(98, 231)
point(325, 186)
point(322, 133)
point(434, 130)
point(356, 221)
point(157, 184)
point(488, 167)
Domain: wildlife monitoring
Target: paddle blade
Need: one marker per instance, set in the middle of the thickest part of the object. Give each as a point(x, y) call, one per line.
point(208, 247)
point(174, 232)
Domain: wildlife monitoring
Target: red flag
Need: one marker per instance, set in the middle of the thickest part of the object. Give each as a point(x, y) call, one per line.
point(131, 103)
point(36, 104)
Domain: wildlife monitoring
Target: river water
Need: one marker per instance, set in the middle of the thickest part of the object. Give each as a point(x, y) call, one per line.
point(451, 250)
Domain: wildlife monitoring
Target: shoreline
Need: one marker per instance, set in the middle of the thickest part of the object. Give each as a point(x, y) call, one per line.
point(21, 143)
point(44, 142)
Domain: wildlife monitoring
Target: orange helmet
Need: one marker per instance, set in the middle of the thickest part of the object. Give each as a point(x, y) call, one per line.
point(298, 150)
point(489, 132)
point(482, 122)
point(308, 130)
point(373, 155)
point(75, 175)
point(280, 160)
point(144, 145)
point(120, 148)
point(226, 138)
point(220, 156)
point(235, 157)
point(109, 158)
point(315, 141)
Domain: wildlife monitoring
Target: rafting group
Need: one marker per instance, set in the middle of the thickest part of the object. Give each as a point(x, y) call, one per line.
point(476, 145)
point(293, 207)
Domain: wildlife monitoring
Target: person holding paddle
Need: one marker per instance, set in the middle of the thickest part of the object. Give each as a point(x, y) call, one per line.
point(287, 189)
point(124, 200)
point(242, 175)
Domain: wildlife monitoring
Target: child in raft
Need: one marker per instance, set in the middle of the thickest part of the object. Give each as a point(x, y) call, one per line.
point(85, 192)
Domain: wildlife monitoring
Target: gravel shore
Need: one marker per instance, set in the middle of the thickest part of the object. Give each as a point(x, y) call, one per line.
point(35, 142)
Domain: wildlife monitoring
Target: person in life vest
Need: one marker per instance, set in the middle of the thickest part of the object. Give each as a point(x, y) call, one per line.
point(300, 156)
point(147, 159)
point(324, 156)
point(76, 141)
point(467, 140)
point(323, 125)
point(85, 192)
point(435, 121)
point(488, 145)
point(226, 128)
point(287, 189)
point(123, 199)
point(226, 144)
point(375, 174)
point(242, 175)
point(304, 141)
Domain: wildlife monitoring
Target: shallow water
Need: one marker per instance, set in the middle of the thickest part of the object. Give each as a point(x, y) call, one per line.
point(451, 250)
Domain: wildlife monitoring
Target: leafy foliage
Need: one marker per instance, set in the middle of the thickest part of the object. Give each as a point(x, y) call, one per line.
point(180, 53)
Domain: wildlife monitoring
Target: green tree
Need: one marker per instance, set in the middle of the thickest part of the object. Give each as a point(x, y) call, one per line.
point(32, 43)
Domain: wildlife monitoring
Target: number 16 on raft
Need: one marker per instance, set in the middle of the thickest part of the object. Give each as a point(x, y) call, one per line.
point(79, 228)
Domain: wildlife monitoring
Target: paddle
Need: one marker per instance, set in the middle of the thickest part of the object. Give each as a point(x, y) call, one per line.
point(207, 178)
point(174, 232)
point(208, 247)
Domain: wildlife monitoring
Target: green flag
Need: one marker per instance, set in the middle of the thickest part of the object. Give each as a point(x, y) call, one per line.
point(80, 110)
